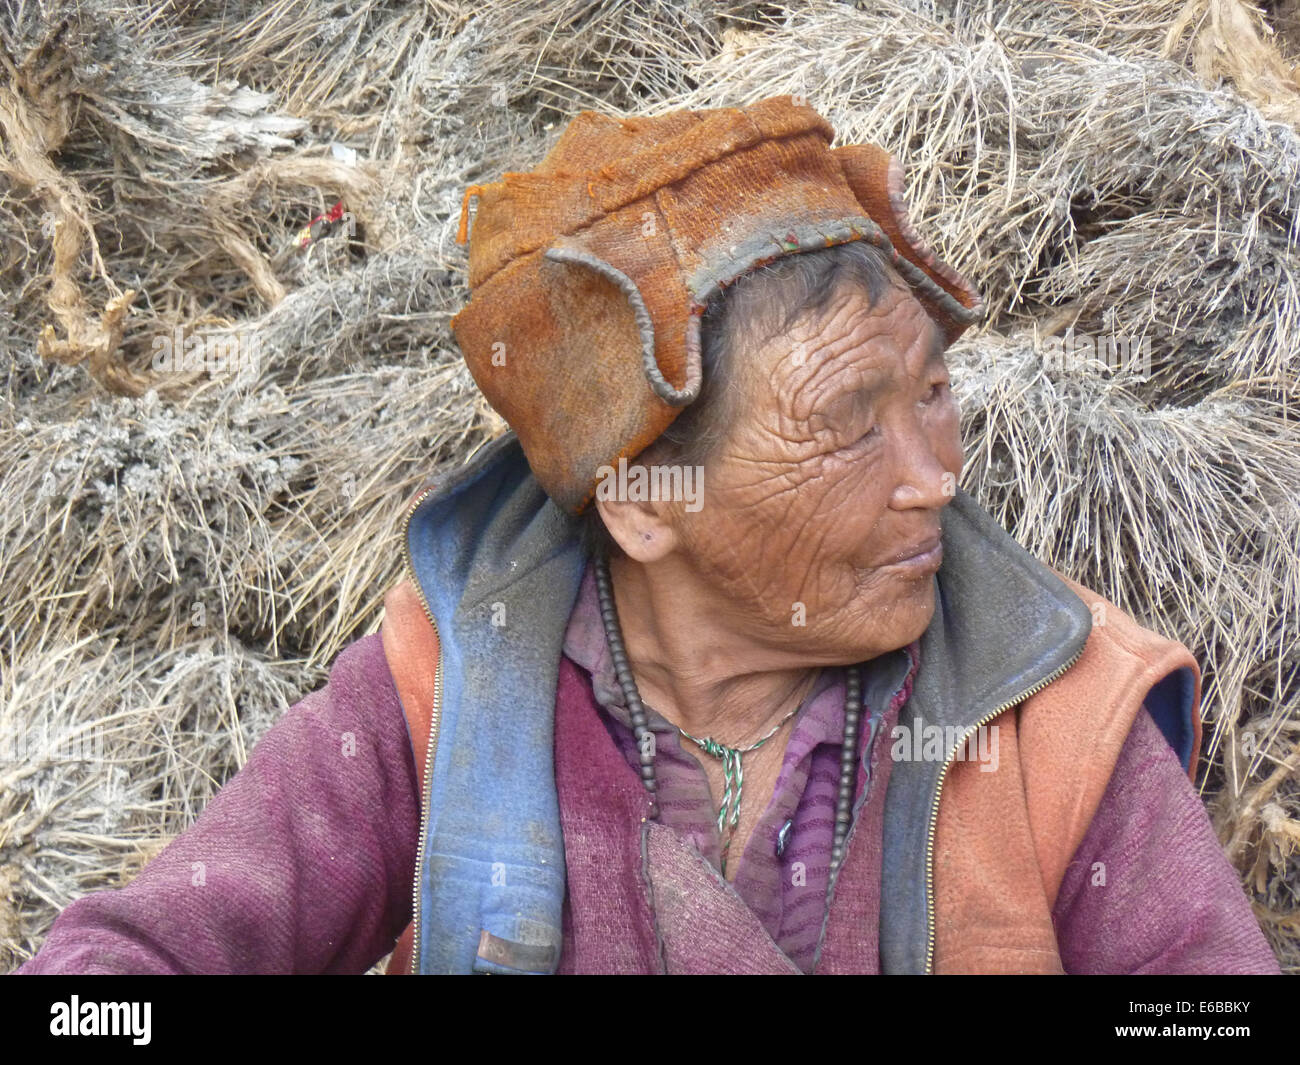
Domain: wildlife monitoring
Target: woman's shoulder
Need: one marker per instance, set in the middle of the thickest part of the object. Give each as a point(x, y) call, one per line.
point(1124, 666)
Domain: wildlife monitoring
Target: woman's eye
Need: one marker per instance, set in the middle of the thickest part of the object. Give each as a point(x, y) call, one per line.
point(936, 391)
point(867, 437)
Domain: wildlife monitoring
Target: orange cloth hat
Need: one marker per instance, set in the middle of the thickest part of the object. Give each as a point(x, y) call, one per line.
point(588, 275)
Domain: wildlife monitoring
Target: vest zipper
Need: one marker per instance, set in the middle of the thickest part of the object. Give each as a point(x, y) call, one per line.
point(934, 808)
point(435, 718)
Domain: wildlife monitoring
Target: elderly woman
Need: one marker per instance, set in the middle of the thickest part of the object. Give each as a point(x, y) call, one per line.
point(774, 696)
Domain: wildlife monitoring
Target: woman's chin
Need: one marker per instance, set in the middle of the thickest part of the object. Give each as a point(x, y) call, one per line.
point(883, 627)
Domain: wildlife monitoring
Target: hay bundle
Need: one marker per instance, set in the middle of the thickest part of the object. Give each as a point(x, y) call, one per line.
point(187, 548)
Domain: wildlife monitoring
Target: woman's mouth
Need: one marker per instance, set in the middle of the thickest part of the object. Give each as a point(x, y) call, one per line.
point(919, 559)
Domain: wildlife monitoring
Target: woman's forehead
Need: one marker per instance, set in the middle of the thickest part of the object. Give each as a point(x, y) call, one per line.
point(869, 342)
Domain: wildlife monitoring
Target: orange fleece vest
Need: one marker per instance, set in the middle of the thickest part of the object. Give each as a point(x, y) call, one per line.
point(1002, 840)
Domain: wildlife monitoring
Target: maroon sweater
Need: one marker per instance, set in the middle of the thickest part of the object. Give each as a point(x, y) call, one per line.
point(304, 861)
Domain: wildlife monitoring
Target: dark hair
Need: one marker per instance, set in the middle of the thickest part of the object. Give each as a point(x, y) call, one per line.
point(738, 318)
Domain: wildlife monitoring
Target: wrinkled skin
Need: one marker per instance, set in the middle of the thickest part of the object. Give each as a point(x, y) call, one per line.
point(845, 449)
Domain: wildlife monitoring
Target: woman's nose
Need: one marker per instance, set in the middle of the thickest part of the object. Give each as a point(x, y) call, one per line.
point(923, 480)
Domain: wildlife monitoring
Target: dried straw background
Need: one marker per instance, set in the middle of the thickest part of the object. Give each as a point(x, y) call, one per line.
point(182, 557)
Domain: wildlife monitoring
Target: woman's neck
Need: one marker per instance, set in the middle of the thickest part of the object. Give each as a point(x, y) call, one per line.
point(692, 660)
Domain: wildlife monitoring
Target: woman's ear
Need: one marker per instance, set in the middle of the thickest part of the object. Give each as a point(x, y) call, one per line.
point(642, 529)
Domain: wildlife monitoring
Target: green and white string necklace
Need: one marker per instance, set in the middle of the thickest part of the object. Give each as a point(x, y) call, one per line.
point(733, 776)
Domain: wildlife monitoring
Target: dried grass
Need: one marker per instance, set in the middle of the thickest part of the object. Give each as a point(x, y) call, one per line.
point(184, 554)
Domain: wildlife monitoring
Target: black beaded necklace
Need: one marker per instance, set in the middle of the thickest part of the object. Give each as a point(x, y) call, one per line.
point(645, 742)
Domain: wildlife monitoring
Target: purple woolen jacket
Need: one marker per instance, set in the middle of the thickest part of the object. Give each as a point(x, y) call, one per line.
point(304, 861)
point(305, 856)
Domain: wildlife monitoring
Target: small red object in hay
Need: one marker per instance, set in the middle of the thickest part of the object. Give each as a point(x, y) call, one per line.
point(323, 225)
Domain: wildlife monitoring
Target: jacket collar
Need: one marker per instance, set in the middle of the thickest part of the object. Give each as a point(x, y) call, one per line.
point(499, 566)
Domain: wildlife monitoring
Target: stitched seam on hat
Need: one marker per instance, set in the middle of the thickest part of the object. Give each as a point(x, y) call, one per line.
point(917, 279)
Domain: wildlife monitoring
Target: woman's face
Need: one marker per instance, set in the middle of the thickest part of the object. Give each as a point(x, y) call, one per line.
point(821, 510)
